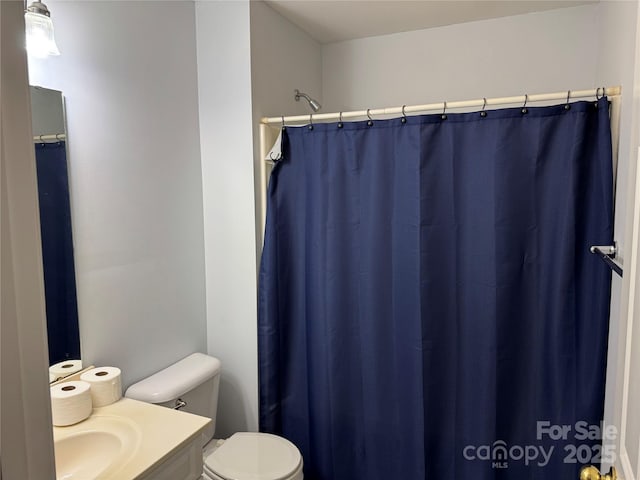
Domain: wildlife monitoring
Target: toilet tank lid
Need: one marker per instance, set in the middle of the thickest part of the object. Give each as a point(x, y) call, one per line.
point(175, 380)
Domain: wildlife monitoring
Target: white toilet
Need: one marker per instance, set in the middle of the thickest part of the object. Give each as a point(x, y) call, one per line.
point(192, 385)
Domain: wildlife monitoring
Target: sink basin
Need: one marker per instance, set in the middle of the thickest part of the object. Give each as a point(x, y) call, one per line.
point(95, 448)
point(129, 440)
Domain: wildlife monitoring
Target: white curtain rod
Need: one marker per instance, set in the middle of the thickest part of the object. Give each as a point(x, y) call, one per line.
point(47, 138)
point(543, 97)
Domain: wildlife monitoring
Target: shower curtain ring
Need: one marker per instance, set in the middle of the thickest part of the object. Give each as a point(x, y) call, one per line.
point(598, 97)
point(311, 121)
point(41, 140)
point(283, 126)
point(483, 113)
point(404, 115)
point(567, 106)
point(524, 107)
point(58, 135)
point(340, 125)
point(444, 115)
point(370, 122)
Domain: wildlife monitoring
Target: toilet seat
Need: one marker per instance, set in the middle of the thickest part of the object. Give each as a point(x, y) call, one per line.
point(254, 456)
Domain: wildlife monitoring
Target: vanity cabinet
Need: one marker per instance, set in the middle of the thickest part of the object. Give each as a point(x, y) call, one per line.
point(183, 464)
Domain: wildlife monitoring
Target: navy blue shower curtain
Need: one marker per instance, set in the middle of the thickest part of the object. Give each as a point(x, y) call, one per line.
point(428, 306)
point(57, 252)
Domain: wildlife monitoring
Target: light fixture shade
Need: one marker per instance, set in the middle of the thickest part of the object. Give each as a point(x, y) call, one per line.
point(40, 40)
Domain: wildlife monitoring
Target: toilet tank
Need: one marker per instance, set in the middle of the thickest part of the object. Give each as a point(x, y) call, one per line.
point(193, 380)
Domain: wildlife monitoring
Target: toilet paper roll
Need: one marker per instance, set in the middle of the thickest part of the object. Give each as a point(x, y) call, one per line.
point(70, 402)
point(68, 367)
point(106, 385)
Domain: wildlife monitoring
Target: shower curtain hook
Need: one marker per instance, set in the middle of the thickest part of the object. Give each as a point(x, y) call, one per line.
point(275, 159)
point(311, 121)
point(598, 97)
point(524, 107)
point(483, 113)
point(370, 122)
point(567, 106)
point(58, 135)
point(283, 126)
point(404, 115)
point(444, 115)
point(340, 125)
point(41, 140)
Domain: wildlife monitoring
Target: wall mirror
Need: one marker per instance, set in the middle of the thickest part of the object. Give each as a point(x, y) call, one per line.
point(50, 141)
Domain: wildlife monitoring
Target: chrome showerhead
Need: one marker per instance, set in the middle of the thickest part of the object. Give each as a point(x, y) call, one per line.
point(314, 104)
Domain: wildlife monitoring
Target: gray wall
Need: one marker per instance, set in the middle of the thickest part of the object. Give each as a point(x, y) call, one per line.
point(534, 53)
point(136, 187)
point(224, 81)
point(250, 60)
point(283, 58)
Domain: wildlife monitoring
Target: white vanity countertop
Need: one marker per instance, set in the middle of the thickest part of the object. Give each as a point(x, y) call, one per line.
point(162, 431)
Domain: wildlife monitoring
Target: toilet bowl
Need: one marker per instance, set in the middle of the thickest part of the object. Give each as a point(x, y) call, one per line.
point(192, 385)
point(252, 456)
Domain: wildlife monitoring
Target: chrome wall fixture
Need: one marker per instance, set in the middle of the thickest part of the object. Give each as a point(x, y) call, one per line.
point(314, 104)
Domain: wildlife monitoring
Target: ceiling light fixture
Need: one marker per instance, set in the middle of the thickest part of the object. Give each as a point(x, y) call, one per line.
point(39, 28)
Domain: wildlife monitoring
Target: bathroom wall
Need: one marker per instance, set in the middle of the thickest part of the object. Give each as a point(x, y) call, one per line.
point(283, 58)
point(255, 59)
point(534, 53)
point(224, 83)
point(138, 207)
point(128, 72)
point(250, 60)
